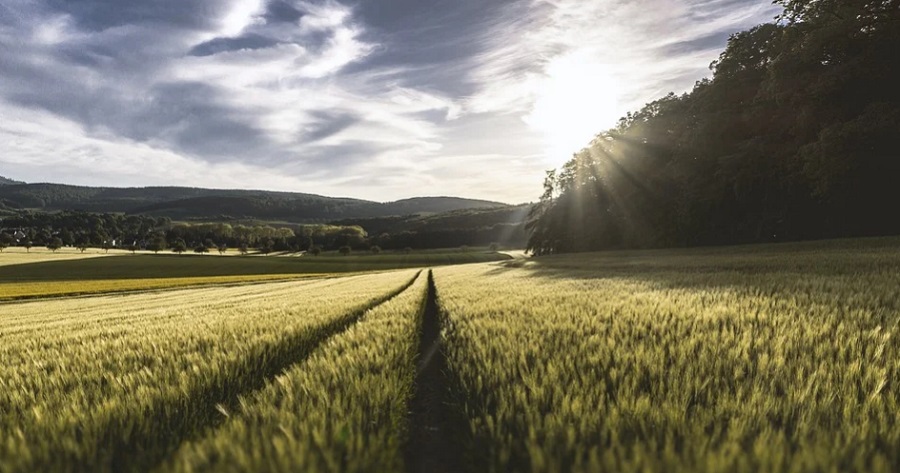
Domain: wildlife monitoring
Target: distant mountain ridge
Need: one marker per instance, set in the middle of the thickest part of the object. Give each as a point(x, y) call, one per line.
point(5, 181)
point(199, 203)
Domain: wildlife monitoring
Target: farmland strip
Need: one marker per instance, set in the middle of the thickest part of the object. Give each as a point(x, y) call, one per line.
point(342, 409)
point(576, 367)
point(90, 397)
point(430, 447)
point(209, 401)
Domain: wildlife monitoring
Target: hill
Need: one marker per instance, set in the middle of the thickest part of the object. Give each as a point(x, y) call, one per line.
point(188, 203)
point(504, 225)
point(5, 181)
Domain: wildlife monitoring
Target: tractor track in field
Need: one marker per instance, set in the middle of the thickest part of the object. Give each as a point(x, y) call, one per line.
point(430, 445)
point(125, 452)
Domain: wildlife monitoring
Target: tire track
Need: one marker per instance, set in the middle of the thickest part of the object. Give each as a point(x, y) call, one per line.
point(195, 413)
point(430, 446)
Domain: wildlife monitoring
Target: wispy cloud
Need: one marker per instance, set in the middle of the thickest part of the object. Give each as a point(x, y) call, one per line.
point(379, 99)
point(594, 61)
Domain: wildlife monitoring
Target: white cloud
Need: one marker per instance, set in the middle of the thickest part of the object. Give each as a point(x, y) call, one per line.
point(242, 14)
point(229, 99)
point(571, 68)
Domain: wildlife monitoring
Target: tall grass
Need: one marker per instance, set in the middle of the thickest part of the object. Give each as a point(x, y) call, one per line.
point(679, 362)
point(343, 409)
point(114, 383)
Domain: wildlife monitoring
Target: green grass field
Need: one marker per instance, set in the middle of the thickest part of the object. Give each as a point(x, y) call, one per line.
point(776, 358)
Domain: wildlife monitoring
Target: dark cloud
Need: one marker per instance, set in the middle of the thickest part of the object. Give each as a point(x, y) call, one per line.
point(434, 39)
point(278, 11)
point(99, 15)
point(219, 45)
point(189, 117)
point(327, 123)
point(193, 117)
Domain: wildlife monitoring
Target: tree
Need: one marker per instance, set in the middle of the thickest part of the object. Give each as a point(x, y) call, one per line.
point(157, 244)
point(132, 247)
point(222, 247)
point(179, 246)
point(55, 244)
point(200, 249)
point(315, 250)
point(82, 242)
point(107, 244)
point(243, 249)
point(793, 137)
point(267, 246)
point(344, 250)
point(5, 241)
point(28, 244)
point(375, 249)
point(494, 247)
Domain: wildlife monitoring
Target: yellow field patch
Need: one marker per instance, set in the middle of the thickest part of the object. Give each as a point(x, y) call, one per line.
point(18, 255)
point(27, 290)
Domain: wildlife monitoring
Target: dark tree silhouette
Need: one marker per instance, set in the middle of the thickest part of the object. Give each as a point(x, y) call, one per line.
point(179, 246)
point(55, 244)
point(6, 240)
point(793, 137)
point(157, 244)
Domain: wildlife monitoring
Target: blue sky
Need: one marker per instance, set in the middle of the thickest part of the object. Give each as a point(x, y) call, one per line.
point(376, 99)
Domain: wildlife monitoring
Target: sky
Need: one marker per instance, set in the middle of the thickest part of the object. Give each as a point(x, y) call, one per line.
point(373, 99)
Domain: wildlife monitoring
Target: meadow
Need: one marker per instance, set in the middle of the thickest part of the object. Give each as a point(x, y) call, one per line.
point(756, 358)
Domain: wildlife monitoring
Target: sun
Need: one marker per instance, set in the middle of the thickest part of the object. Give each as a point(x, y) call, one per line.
point(577, 99)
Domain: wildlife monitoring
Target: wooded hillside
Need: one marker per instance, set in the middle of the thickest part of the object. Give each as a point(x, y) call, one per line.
point(794, 137)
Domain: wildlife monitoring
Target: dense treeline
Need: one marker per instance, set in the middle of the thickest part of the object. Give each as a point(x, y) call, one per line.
point(794, 137)
point(84, 229)
point(471, 227)
point(504, 226)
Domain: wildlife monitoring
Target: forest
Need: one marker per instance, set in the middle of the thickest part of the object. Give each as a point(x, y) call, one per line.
point(794, 137)
point(466, 227)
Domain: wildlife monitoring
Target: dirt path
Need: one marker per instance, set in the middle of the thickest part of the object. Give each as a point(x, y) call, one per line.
point(430, 446)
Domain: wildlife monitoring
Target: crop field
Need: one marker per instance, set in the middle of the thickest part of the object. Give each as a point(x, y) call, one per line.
point(779, 358)
point(760, 358)
point(114, 382)
point(19, 255)
point(44, 274)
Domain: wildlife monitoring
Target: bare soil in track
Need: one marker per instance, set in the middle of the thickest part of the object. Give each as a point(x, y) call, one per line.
point(430, 446)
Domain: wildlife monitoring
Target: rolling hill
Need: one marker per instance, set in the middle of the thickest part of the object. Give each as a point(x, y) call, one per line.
point(187, 203)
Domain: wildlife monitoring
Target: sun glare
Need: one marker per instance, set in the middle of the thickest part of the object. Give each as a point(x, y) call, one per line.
point(577, 99)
